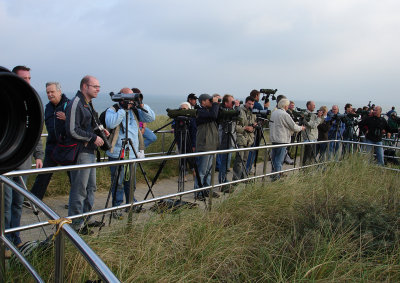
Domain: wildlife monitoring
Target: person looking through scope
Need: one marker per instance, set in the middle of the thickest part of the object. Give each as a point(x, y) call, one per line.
point(228, 114)
point(116, 119)
point(206, 140)
point(310, 134)
point(336, 130)
point(245, 127)
point(282, 127)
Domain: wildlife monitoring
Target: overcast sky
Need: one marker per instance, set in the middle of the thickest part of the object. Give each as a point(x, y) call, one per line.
point(336, 50)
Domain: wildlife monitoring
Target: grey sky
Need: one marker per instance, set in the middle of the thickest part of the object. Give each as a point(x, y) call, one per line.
point(342, 50)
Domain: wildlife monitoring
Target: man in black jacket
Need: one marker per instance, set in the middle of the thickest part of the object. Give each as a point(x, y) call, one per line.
point(374, 127)
point(206, 139)
point(54, 117)
point(80, 128)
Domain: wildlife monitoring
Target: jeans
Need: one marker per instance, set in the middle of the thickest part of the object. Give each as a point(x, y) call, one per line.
point(277, 156)
point(123, 185)
point(42, 180)
point(250, 160)
point(378, 151)
point(149, 137)
point(13, 210)
point(83, 186)
point(204, 165)
point(239, 167)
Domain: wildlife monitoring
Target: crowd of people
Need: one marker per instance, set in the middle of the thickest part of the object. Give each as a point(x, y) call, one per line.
point(219, 123)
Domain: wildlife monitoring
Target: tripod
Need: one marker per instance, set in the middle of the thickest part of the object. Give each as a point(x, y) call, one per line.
point(258, 136)
point(230, 140)
point(182, 131)
point(124, 153)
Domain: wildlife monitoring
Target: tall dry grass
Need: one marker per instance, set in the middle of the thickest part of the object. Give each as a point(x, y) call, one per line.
point(332, 224)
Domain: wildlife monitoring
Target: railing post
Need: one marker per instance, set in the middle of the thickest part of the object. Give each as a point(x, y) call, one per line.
point(2, 228)
point(162, 142)
point(265, 163)
point(59, 256)
point(214, 159)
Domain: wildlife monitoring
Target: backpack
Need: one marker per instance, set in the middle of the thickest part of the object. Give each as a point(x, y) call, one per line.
point(113, 137)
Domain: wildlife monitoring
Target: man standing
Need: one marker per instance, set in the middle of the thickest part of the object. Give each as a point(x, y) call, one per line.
point(349, 123)
point(310, 134)
point(374, 128)
point(80, 127)
point(282, 127)
point(12, 200)
point(336, 130)
point(54, 117)
point(257, 105)
point(116, 119)
point(206, 140)
point(227, 132)
point(192, 99)
point(245, 127)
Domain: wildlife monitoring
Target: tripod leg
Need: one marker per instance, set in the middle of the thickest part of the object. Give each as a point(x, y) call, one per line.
point(35, 210)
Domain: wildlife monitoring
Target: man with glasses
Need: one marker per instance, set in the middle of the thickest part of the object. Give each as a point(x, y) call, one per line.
point(80, 128)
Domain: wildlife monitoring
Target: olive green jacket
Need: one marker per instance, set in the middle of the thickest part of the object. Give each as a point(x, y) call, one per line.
point(246, 118)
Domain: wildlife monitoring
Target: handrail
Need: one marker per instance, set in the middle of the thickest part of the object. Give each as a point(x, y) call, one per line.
point(83, 248)
point(99, 266)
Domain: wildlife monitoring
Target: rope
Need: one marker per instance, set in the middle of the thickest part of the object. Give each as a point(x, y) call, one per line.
point(60, 222)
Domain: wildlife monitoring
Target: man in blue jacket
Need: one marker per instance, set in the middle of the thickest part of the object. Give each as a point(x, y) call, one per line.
point(80, 128)
point(54, 117)
point(116, 119)
point(336, 130)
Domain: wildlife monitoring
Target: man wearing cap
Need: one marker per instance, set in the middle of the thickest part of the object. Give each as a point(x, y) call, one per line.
point(192, 99)
point(206, 140)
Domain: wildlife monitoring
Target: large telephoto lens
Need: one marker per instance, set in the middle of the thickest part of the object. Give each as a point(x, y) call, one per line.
point(21, 125)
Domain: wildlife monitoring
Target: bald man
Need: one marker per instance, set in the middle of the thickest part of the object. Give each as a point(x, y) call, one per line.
point(79, 127)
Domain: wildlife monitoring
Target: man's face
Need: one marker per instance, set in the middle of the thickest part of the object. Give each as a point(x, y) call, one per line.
point(192, 101)
point(206, 103)
point(249, 104)
point(291, 106)
point(257, 98)
point(377, 111)
point(335, 109)
point(25, 75)
point(229, 103)
point(53, 94)
point(348, 109)
point(92, 88)
point(311, 106)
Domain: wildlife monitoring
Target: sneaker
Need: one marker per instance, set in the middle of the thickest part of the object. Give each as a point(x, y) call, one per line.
point(27, 204)
point(215, 195)
point(288, 160)
point(95, 223)
point(227, 189)
point(117, 215)
point(200, 197)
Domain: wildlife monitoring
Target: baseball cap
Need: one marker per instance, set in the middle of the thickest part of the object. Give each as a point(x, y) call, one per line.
point(204, 96)
point(192, 96)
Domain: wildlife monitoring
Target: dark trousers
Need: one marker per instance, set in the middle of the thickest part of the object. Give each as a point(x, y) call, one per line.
point(42, 180)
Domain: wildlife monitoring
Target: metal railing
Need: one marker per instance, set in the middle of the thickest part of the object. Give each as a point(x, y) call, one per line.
point(98, 265)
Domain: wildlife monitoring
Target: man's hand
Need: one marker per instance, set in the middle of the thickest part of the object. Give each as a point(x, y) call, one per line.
point(249, 129)
point(303, 128)
point(215, 99)
point(60, 115)
point(39, 163)
point(98, 141)
point(107, 133)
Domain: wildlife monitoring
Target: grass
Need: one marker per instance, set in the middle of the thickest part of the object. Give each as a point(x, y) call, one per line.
point(333, 224)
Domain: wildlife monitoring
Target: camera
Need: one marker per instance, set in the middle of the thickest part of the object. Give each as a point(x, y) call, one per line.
point(173, 113)
point(126, 99)
point(225, 114)
point(267, 92)
point(261, 113)
point(99, 131)
point(301, 114)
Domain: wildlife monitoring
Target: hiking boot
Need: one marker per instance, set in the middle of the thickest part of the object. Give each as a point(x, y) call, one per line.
point(200, 197)
point(227, 189)
point(214, 195)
